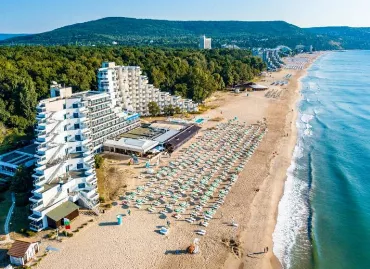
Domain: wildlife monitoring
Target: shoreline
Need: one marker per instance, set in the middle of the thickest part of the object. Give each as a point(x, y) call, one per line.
point(293, 144)
point(273, 184)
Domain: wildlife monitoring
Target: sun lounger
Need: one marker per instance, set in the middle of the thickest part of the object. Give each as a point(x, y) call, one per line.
point(201, 232)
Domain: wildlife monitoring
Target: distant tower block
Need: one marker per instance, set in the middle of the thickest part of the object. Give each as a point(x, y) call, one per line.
point(205, 43)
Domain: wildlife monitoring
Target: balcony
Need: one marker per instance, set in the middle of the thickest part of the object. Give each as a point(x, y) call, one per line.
point(36, 226)
point(35, 217)
point(41, 161)
point(39, 179)
point(37, 205)
point(41, 115)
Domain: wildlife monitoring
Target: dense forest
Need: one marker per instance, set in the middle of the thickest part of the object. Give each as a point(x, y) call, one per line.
point(178, 34)
point(26, 73)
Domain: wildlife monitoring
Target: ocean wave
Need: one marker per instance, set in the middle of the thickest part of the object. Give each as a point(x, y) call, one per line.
point(306, 118)
point(292, 212)
point(308, 132)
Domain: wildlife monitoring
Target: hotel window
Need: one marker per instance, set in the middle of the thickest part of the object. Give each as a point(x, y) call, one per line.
point(75, 115)
point(75, 105)
point(78, 137)
point(80, 165)
point(77, 126)
point(78, 149)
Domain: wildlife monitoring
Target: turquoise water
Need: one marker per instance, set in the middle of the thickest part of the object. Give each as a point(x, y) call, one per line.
point(324, 214)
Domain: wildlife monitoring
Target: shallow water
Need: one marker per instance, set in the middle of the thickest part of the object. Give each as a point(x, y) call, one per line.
point(324, 214)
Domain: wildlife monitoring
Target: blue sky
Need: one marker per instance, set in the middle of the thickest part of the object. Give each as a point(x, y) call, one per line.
point(33, 16)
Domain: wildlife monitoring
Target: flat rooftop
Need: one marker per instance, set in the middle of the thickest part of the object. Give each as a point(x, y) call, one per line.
point(19, 156)
point(142, 133)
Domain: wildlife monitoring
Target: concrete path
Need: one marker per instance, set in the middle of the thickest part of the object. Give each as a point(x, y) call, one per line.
point(7, 221)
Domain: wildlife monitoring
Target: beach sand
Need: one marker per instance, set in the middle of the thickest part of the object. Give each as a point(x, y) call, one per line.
point(252, 202)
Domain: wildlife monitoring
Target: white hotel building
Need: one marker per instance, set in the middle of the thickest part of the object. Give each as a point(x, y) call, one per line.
point(133, 92)
point(205, 43)
point(70, 129)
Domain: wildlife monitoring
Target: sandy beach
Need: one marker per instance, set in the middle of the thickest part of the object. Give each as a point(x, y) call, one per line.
point(252, 202)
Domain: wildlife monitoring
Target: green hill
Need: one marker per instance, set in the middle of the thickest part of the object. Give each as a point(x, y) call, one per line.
point(346, 37)
point(7, 36)
point(185, 34)
point(136, 32)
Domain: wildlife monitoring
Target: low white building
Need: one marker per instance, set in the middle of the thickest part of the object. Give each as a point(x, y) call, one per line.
point(70, 129)
point(133, 92)
point(10, 161)
point(22, 251)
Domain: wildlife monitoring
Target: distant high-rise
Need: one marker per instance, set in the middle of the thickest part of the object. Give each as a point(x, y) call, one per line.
point(205, 43)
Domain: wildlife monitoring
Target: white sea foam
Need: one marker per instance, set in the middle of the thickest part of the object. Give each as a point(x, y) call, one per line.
point(308, 132)
point(306, 118)
point(291, 211)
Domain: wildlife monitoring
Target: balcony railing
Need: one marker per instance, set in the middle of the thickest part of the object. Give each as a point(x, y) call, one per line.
point(36, 226)
point(35, 205)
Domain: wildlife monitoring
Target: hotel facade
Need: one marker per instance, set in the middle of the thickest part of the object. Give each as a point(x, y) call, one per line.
point(205, 43)
point(70, 129)
point(133, 92)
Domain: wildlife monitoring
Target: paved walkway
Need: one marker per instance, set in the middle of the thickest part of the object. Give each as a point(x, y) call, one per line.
point(7, 221)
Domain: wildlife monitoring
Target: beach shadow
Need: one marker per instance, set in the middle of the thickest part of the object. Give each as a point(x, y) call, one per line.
point(114, 203)
point(175, 252)
point(108, 223)
point(162, 216)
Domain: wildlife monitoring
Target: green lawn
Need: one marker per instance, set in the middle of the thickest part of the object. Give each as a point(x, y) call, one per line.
point(19, 219)
point(4, 207)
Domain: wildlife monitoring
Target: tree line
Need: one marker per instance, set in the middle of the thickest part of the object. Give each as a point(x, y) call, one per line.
point(26, 73)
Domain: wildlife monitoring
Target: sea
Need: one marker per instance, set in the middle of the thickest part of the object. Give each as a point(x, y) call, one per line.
point(324, 214)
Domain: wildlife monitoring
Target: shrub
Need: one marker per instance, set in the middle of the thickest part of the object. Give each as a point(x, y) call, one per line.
point(101, 199)
point(84, 224)
point(69, 234)
point(98, 161)
point(30, 233)
point(91, 220)
point(108, 205)
point(50, 235)
point(76, 231)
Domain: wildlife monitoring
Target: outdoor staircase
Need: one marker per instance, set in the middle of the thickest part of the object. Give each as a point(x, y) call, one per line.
point(56, 126)
point(55, 198)
point(55, 154)
point(89, 204)
point(55, 172)
point(50, 115)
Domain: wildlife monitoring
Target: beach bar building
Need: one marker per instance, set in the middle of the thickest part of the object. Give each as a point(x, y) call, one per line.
point(22, 251)
point(67, 210)
point(251, 86)
point(128, 146)
point(181, 137)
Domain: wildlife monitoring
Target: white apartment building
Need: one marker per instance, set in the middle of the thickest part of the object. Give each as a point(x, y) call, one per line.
point(133, 92)
point(205, 43)
point(70, 129)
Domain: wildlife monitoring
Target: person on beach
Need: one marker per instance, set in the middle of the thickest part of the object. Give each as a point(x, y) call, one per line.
point(129, 212)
